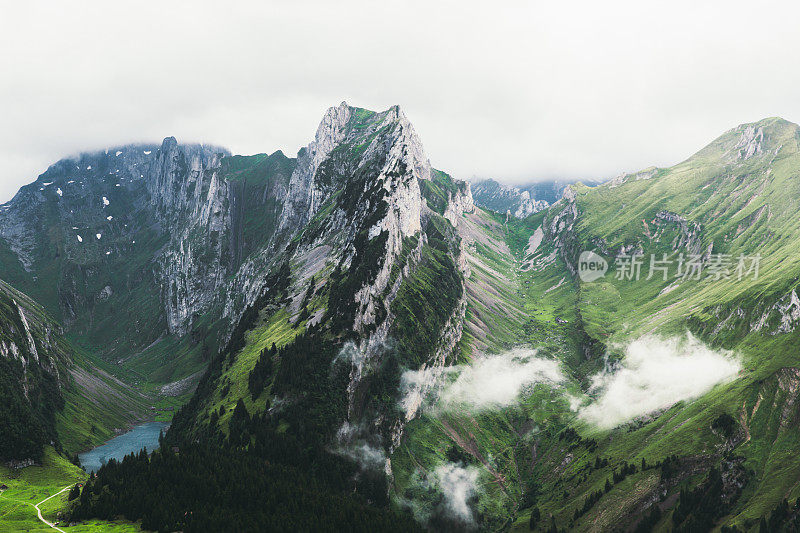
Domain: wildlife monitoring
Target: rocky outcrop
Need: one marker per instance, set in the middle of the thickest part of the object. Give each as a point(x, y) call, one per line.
point(357, 188)
point(459, 203)
point(405, 163)
point(559, 225)
point(689, 233)
point(529, 206)
point(750, 143)
point(774, 315)
point(645, 174)
point(344, 126)
point(780, 317)
point(27, 336)
point(304, 195)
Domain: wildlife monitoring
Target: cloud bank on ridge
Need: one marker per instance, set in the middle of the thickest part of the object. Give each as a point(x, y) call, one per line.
point(655, 374)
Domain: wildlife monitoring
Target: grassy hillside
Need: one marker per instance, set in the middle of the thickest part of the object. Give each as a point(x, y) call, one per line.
point(42, 485)
point(735, 197)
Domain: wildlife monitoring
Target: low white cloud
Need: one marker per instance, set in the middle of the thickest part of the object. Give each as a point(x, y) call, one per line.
point(655, 374)
point(361, 355)
point(458, 485)
point(355, 442)
point(490, 382)
point(351, 353)
point(496, 381)
point(445, 495)
point(369, 457)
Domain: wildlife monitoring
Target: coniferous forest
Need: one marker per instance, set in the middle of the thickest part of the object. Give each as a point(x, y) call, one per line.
point(205, 488)
point(261, 475)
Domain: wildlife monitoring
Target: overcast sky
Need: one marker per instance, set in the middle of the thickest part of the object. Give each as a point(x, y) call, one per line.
point(518, 91)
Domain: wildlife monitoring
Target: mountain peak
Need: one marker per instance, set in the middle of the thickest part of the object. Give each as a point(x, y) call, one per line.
point(771, 127)
point(767, 136)
point(771, 122)
point(361, 134)
point(169, 142)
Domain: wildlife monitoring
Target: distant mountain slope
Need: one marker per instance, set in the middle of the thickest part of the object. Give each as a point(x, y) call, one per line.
point(736, 197)
point(520, 200)
point(491, 195)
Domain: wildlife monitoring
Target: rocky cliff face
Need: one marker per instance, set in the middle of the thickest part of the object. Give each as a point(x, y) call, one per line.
point(27, 336)
point(363, 171)
point(356, 184)
point(459, 203)
point(191, 198)
point(157, 228)
point(559, 225)
point(188, 232)
point(86, 213)
point(348, 139)
point(365, 250)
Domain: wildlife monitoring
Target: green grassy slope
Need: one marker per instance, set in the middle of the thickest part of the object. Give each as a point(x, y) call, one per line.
point(507, 307)
point(29, 486)
point(735, 197)
point(728, 204)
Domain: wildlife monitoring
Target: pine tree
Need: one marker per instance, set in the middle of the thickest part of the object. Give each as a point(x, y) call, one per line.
point(74, 492)
point(536, 515)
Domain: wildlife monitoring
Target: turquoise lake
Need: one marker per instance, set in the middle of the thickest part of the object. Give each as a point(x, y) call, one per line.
point(143, 436)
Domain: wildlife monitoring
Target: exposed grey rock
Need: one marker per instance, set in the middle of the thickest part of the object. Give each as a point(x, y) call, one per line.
point(645, 174)
point(460, 203)
point(750, 143)
point(689, 233)
point(784, 312)
point(304, 196)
